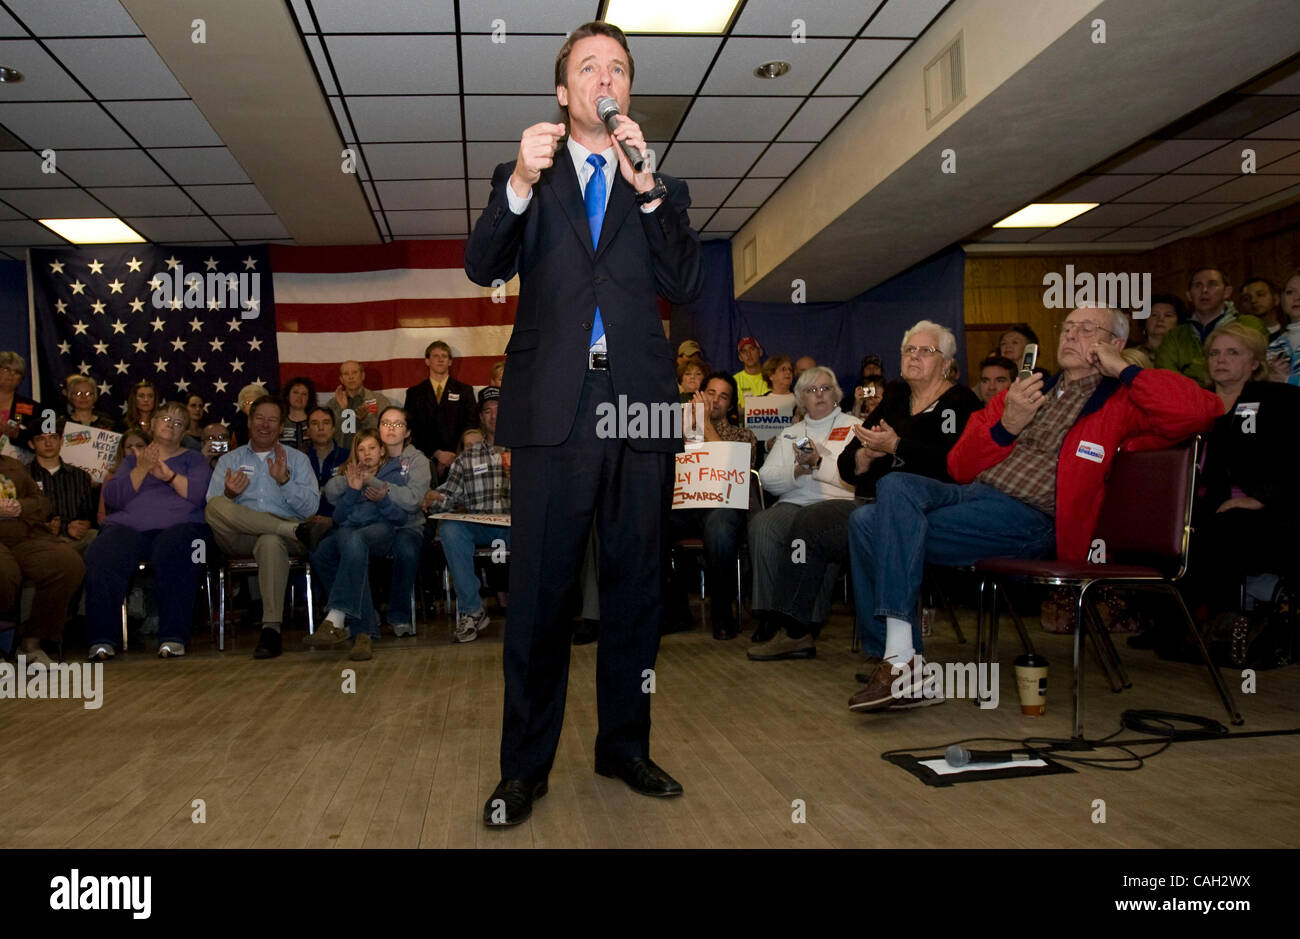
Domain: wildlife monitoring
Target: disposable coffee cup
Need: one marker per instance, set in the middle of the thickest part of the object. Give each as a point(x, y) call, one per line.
point(1031, 682)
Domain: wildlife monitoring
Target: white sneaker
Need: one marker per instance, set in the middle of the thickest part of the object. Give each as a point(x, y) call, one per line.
point(101, 651)
point(170, 649)
point(38, 655)
point(403, 629)
point(471, 624)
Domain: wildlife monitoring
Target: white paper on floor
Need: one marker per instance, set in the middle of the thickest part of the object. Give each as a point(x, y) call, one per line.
point(941, 767)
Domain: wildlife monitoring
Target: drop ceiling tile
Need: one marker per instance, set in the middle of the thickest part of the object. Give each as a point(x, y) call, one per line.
point(1173, 188)
point(385, 16)
point(523, 65)
point(165, 123)
point(717, 236)
point(43, 78)
point(1289, 165)
point(179, 230)
point(781, 159)
point(27, 233)
point(75, 17)
point(753, 193)
point(862, 65)
point(346, 130)
point(558, 17)
point(303, 15)
point(53, 203)
point(118, 68)
point(1288, 128)
point(1140, 235)
point(229, 200)
point(1159, 156)
point(1184, 215)
point(73, 125)
point(395, 65)
point(1228, 159)
point(111, 168)
point(1097, 188)
point(1071, 235)
point(200, 165)
point(1113, 215)
point(146, 200)
point(484, 157)
point(729, 219)
point(414, 160)
point(9, 26)
point(480, 191)
point(666, 65)
point(369, 189)
point(710, 193)
point(773, 18)
point(659, 115)
point(733, 73)
point(22, 168)
point(740, 118)
point(691, 160)
point(904, 18)
point(1011, 235)
point(422, 194)
point(1248, 189)
point(502, 117)
point(251, 227)
point(427, 223)
point(318, 58)
point(816, 118)
point(404, 118)
point(1233, 116)
point(699, 217)
point(8, 213)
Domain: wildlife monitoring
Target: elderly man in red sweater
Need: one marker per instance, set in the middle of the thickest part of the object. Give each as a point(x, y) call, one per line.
point(1030, 473)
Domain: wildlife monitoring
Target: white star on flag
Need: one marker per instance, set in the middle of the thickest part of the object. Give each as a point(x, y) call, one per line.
point(104, 388)
point(172, 262)
point(249, 263)
point(216, 344)
point(254, 303)
point(122, 367)
point(196, 325)
point(183, 385)
point(56, 267)
point(255, 345)
point(60, 306)
point(175, 303)
point(134, 263)
point(101, 347)
point(81, 327)
point(236, 365)
point(98, 306)
point(84, 368)
point(77, 287)
point(234, 326)
point(141, 345)
point(119, 327)
point(155, 283)
point(210, 263)
point(137, 305)
point(65, 347)
point(157, 324)
point(161, 364)
point(116, 286)
point(199, 365)
point(214, 304)
point(178, 344)
point(96, 266)
point(219, 385)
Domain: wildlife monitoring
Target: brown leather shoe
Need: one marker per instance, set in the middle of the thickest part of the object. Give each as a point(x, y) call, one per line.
point(782, 646)
point(869, 666)
point(881, 693)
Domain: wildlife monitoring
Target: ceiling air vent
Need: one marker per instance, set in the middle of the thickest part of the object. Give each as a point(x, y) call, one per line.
point(945, 82)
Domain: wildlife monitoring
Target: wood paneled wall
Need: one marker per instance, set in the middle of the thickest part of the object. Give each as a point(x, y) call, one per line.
point(1004, 290)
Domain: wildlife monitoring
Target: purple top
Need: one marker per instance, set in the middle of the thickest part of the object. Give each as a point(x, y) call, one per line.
point(156, 505)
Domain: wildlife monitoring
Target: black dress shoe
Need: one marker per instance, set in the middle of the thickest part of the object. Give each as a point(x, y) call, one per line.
point(511, 802)
point(268, 644)
point(641, 775)
point(588, 632)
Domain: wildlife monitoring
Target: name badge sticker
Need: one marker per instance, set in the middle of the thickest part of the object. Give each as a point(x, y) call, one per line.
point(1246, 407)
point(453, 396)
point(839, 433)
point(1091, 451)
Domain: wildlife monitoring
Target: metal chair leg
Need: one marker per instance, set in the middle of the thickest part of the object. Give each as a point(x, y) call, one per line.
point(1225, 695)
point(222, 600)
point(311, 606)
point(1078, 668)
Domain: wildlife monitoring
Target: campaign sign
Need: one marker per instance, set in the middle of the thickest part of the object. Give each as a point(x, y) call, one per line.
point(768, 415)
point(481, 518)
point(91, 448)
point(712, 475)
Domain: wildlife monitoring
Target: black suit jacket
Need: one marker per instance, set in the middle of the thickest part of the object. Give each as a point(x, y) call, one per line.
point(563, 280)
point(1260, 461)
point(437, 426)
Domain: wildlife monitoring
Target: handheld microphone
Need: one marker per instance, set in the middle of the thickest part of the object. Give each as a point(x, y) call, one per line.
point(607, 110)
point(957, 755)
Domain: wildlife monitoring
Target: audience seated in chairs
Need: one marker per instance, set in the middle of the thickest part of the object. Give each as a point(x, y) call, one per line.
point(28, 550)
point(812, 498)
point(259, 496)
point(1247, 508)
point(478, 482)
point(440, 409)
point(82, 394)
point(69, 488)
point(912, 430)
point(1030, 470)
point(1183, 349)
point(155, 503)
point(721, 530)
point(376, 512)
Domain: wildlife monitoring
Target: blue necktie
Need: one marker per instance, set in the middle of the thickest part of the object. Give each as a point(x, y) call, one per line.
point(594, 198)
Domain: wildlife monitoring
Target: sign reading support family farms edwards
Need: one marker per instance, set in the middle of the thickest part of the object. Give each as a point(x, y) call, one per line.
point(768, 415)
point(712, 475)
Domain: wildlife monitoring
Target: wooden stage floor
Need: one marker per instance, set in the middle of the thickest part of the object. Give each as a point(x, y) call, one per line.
point(282, 758)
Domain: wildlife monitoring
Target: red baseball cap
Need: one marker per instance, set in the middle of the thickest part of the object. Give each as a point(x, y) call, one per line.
point(747, 341)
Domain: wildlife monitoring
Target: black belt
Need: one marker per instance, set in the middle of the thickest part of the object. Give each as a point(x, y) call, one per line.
point(598, 360)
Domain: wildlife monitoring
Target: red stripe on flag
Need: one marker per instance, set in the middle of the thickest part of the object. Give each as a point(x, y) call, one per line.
point(334, 259)
point(397, 373)
point(431, 313)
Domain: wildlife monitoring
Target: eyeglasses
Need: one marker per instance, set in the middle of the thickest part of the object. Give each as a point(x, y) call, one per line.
point(173, 421)
point(818, 389)
point(84, 393)
point(1085, 329)
point(919, 350)
point(393, 425)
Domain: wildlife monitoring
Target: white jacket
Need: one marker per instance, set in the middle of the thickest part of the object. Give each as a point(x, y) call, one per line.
point(830, 435)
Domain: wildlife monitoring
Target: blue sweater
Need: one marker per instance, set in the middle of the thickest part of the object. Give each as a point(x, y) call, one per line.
point(353, 510)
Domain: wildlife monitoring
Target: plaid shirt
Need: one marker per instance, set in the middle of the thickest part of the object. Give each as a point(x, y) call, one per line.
point(1029, 471)
point(733, 433)
point(476, 482)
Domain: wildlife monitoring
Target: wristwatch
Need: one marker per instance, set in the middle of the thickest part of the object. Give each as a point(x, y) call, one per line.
point(658, 192)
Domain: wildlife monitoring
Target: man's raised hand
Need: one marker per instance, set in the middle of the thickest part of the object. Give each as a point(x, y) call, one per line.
point(1024, 398)
point(236, 482)
point(537, 149)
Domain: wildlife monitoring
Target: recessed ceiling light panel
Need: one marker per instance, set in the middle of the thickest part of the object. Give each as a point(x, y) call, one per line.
point(1045, 214)
point(93, 231)
point(670, 16)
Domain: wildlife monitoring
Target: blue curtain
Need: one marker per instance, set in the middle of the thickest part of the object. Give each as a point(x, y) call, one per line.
point(14, 333)
point(837, 335)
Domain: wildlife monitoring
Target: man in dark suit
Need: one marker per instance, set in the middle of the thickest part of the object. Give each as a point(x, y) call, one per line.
point(593, 240)
point(439, 410)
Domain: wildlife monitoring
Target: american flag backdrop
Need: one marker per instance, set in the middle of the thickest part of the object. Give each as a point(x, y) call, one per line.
point(173, 315)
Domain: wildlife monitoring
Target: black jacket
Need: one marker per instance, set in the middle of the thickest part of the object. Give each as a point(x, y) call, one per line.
point(561, 282)
point(1260, 456)
point(437, 426)
point(923, 439)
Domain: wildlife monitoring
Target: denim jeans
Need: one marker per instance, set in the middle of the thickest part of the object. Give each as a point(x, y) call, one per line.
point(916, 520)
point(342, 561)
point(459, 539)
point(721, 530)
